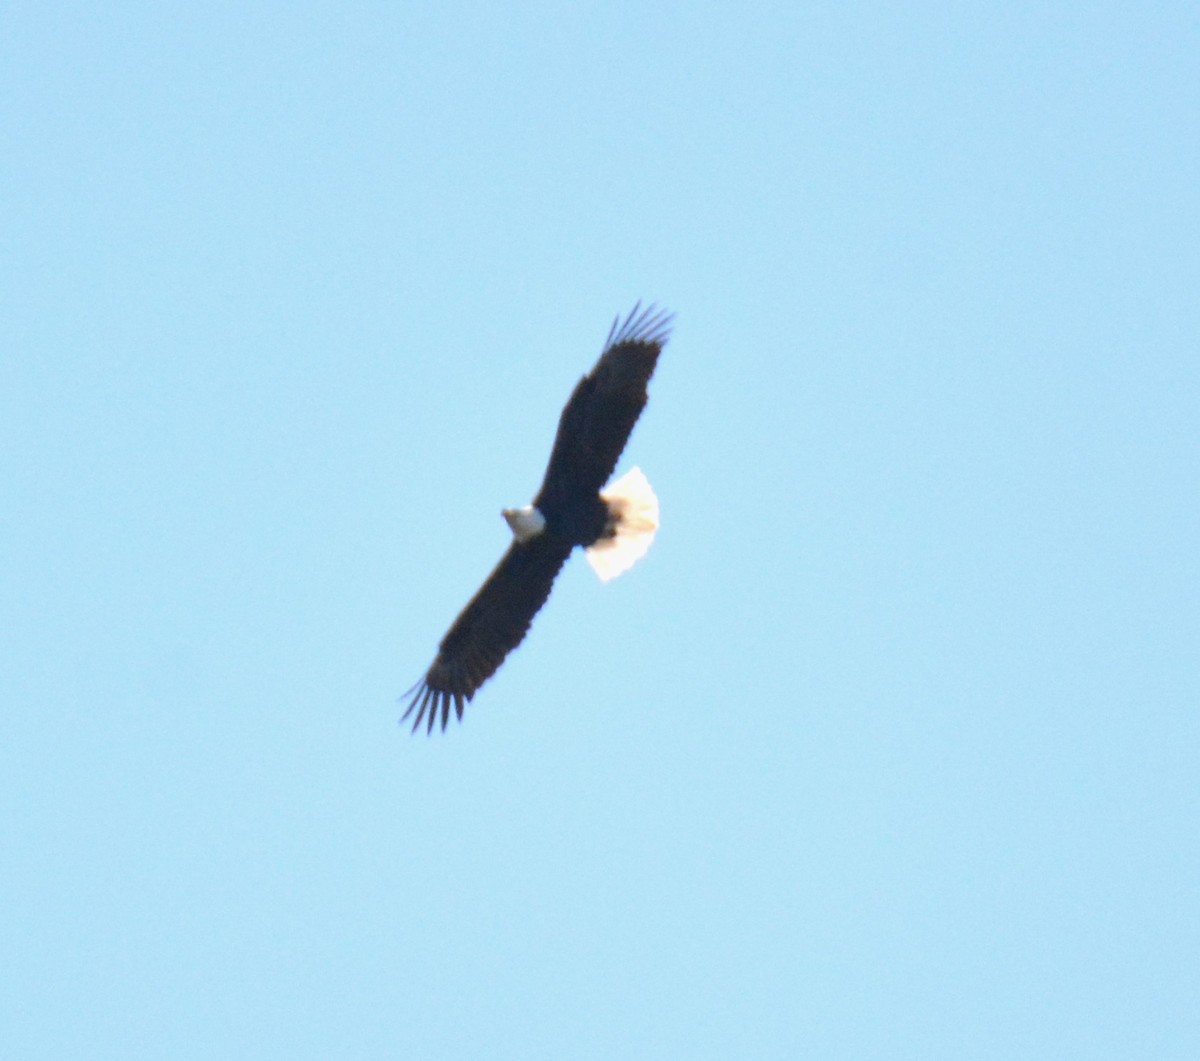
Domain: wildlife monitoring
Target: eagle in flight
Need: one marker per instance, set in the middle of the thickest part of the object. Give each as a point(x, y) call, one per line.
point(614, 526)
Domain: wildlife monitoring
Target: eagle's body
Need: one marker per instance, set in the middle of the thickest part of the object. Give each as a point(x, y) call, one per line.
point(614, 527)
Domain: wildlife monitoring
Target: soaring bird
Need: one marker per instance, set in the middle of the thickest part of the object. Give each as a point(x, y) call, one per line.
point(613, 526)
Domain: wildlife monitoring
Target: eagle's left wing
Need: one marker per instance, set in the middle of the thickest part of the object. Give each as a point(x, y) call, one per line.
point(488, 628)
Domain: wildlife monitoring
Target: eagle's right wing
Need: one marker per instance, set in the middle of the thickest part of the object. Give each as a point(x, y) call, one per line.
point(602, 410)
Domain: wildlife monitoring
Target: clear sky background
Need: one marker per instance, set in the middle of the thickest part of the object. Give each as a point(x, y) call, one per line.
point(888, 749)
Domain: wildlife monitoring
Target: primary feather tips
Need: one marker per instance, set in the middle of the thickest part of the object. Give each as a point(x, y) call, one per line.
point(428, 703)
point(650, 325)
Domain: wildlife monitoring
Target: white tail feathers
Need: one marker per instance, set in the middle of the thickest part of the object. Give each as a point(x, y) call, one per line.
point(634, 511)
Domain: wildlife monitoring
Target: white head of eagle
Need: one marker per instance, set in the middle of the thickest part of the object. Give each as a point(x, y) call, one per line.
point(526, 522)
point(613, 526)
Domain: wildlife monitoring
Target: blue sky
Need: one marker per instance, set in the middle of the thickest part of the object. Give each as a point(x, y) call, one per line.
point(888, 748)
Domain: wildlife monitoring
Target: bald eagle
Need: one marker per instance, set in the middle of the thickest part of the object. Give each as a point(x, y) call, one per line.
point(614, 526)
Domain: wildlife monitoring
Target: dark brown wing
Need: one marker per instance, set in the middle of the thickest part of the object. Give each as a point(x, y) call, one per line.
point(601, 412)
point(488, 629)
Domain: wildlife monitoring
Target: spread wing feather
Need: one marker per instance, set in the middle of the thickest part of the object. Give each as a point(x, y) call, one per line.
point(488, 629)
point(602, 410)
